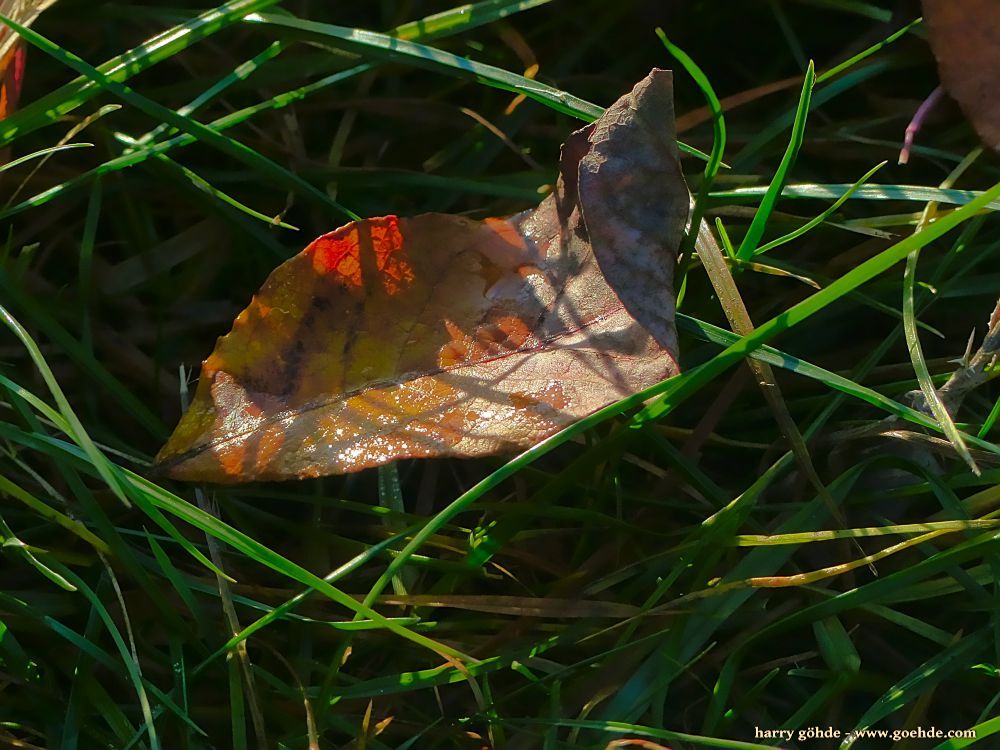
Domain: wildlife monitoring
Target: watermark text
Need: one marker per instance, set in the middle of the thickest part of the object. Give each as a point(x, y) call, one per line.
point(817, 733)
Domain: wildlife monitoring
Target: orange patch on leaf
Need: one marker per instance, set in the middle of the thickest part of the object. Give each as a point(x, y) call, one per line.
point(338, 253)
point(376, 244)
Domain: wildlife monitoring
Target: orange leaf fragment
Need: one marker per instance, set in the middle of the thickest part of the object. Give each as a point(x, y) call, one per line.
point(12, 54)
point(440, 336)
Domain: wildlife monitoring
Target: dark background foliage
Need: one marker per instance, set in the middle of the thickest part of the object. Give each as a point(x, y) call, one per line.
point(122, 292)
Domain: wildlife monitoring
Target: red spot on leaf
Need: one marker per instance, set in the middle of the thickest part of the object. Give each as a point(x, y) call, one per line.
point(376, 245)
point(337, 252)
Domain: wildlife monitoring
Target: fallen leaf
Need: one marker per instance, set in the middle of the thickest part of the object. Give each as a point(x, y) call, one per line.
point(12, 55)
point(965, 38)
point(440, 336)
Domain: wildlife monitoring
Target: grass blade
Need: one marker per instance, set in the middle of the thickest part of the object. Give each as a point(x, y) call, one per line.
point(756, 230)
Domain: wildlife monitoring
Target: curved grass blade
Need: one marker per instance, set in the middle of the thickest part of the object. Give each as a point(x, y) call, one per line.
point(209, 189)
point(714, 159)
point(454, 21)
point(917, 193)
point(75, 429)
point(240, 73)
point(930, 394)
point(44, 152)
point(682, 386)
point(64, 425)
point(201, 132)
point(10, 541)
point(387, 47)
point(131, 665)
point(756, 229)
point(855, 59)
point(156, 499)
point(70, 134)
point(931, 397)
point(817, 220)
point(161, 47)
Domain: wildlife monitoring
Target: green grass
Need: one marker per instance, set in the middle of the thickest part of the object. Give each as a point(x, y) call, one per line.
point(669, 569)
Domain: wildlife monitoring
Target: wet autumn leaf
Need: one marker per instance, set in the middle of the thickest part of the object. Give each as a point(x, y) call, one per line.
point(442, 336)
point(23, 12)
point(965, 37)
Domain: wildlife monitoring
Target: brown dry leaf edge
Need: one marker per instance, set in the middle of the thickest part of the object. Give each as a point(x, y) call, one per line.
point(965, 38)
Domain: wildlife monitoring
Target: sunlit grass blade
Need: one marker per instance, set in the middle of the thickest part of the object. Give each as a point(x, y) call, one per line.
point(240, 73)
point(714, 159)
point(930, 395)
point(463, 18)
point(819, 219)
point(866, 53)
point(776, 358)
point(161, 47)
point(809, 537)
point(757, 227)
point(75, 429)
point(229, 146)
point(44, 152)
point(917, 193)
point(370, 43)
point(449, 22)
